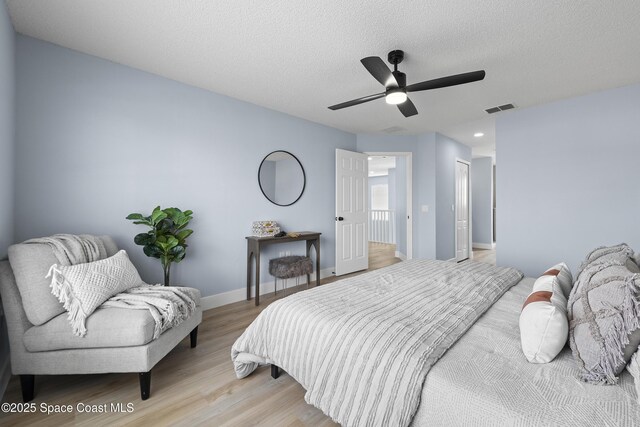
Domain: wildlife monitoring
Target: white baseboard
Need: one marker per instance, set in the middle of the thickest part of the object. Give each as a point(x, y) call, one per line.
point(240, 294)
point(401, 255)
point(5, 376)
point(484, 245)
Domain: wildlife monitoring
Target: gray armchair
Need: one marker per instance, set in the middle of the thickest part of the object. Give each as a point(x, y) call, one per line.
point(42, 342)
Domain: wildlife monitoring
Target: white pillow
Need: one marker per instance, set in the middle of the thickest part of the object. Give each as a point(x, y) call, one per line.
point(565, 279)
point(82, 288)
point(544, 326)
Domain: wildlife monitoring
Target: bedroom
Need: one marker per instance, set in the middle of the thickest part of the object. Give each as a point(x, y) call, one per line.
point(113, 108)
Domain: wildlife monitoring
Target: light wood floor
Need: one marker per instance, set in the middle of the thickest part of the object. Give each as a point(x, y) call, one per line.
point(380, 255)
point(484, 255)
point(189, 386)
point(192, 386)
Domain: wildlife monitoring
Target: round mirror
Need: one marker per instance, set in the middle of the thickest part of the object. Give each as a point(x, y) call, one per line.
point(281, 178)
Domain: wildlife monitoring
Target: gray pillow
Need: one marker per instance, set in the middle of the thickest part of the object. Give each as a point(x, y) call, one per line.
point(604, 319)
point(621, 252)
point(30, 263)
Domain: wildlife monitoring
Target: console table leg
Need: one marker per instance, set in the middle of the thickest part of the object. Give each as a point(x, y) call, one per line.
point(258, 278)
point(249, 255)
point(316, 244)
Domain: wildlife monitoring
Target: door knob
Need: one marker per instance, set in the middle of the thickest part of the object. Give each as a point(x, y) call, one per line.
point(339, 218)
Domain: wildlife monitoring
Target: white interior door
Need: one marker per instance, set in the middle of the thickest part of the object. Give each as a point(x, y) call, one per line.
point(352, 246)
point(462, 210)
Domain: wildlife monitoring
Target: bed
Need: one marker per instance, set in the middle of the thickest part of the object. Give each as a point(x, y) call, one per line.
point(446, 351)
point(484, 379)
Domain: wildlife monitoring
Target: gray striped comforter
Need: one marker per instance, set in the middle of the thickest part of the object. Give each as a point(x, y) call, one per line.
point(362, 346)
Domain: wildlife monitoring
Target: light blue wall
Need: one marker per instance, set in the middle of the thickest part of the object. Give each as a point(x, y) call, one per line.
point(568, 179)
point(425, 169)
point(392, 183)
point(97, 140)
point(7, 129)
point(7, 144)
point(393, 196)
point(447, 151)
point(400, 173)
point(423, 176)
point(482, 200)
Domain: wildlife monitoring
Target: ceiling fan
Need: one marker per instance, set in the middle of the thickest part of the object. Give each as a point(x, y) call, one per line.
point(395, 83)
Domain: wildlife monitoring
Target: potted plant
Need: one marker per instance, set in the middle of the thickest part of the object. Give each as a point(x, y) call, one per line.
point(166, 239)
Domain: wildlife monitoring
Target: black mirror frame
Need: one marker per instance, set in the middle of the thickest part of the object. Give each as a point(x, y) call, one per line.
point(304, 177)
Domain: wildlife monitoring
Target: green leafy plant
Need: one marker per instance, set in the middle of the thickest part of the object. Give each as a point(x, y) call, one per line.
point(166, 240)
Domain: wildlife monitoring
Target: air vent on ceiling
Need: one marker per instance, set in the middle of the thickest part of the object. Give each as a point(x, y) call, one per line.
point(500, 108)
point(393, 129)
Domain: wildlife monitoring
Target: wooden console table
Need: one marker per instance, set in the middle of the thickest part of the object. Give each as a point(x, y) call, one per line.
point(254, 245)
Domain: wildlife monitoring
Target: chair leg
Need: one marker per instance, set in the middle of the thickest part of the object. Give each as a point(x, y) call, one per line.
point(308, 280)
point(145, 385)
point(275, 371)
point(27, 382)
point(194, 337)
point(275, 286)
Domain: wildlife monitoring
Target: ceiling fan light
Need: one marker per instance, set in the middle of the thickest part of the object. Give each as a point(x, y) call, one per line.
point(396, 97)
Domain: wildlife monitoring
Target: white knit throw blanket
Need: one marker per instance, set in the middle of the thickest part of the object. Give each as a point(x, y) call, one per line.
point(70, 249)
point(168, 305)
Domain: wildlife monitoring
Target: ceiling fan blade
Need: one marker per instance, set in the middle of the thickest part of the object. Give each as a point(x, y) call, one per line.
point(378, 69)
point(407, 108)
point(454, 80)
point(357, 101)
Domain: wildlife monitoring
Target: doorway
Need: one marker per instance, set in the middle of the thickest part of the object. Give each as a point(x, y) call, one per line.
point(387, 208)
point(388, 201)
point(401, 202)
point(462, 211)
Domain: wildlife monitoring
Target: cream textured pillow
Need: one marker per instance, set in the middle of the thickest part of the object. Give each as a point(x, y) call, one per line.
point(544, 326)
point(82, 288)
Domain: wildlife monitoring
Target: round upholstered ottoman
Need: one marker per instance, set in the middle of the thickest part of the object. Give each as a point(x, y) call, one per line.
point(288, 267)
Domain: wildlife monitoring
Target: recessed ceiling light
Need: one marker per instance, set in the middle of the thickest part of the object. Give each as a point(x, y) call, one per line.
point(370, 158)
point(478, 134)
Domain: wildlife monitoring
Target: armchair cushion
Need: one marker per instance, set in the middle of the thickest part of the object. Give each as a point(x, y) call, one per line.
point(30, 264)
point(106, 327)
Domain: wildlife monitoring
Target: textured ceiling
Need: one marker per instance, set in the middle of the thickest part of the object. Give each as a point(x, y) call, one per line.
point(483, 146)
point(299, 57)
